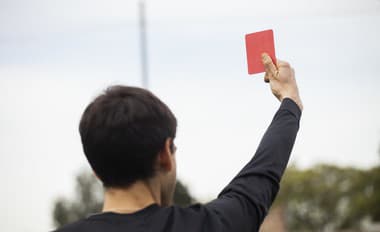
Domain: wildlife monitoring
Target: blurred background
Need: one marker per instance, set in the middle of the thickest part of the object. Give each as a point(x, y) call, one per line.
point(56, 56)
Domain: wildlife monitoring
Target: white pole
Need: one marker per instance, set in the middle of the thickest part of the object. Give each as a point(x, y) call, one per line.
point(143, 45)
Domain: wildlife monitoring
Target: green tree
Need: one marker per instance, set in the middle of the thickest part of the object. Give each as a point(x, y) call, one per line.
point(328, 198)
point(89, 198)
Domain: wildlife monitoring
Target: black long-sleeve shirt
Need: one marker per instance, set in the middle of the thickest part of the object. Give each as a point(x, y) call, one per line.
point(240, 207)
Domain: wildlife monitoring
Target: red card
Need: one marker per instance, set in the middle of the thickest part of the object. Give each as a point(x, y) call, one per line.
point(256, 44)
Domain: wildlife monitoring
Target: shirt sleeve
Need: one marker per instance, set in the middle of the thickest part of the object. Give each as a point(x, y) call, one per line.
point(244, 202)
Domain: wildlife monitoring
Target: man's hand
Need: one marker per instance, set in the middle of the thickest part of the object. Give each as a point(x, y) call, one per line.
point(281, 79)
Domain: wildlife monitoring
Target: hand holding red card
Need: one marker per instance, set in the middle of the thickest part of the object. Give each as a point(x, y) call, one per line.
point(256, 44)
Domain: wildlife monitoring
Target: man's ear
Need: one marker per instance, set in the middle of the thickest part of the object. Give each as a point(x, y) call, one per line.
point(165, 157)
point(96, 175)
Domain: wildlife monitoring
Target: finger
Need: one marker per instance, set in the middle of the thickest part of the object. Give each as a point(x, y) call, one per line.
point(268, 75)
point(268, 64)
point(266, 78)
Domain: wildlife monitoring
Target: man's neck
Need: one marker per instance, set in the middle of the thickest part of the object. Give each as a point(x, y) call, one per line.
point(129, 200)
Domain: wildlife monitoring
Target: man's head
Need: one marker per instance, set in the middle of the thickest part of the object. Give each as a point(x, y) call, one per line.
point(127, 135)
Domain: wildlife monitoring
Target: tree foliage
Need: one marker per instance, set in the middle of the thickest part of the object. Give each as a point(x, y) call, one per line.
point(327, 198)
point(88, 199)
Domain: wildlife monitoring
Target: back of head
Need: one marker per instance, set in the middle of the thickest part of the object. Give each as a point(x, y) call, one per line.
point(122, 132)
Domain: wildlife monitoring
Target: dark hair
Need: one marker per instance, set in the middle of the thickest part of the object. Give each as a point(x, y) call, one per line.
point(122, 132)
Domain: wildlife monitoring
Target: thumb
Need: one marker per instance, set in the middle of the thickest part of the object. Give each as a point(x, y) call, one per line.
point(270, 68)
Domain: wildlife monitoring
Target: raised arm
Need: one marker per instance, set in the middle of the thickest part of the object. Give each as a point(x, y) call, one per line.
point(245, 201)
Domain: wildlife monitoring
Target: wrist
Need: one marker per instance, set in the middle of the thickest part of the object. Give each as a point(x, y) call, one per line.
point(296, 99)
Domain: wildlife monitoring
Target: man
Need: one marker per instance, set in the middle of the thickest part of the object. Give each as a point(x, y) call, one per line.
point(128, 138)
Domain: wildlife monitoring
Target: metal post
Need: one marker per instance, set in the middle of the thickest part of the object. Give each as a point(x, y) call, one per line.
point(143, 45)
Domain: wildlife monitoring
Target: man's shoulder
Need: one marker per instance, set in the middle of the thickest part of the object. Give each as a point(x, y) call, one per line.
point(157, 218)
point(77, 226)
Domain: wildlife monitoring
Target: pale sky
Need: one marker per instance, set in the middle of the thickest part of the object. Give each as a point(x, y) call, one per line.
point(55, 56)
